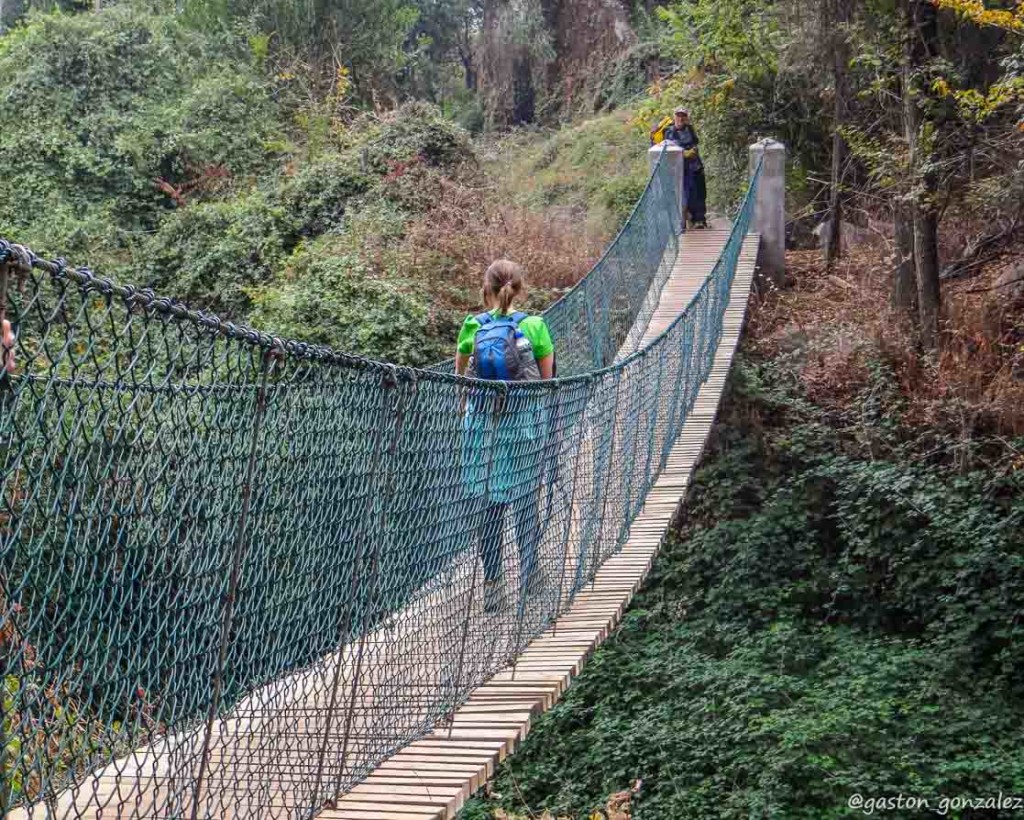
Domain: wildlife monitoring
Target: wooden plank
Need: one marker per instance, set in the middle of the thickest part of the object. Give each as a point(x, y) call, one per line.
point(387, 810)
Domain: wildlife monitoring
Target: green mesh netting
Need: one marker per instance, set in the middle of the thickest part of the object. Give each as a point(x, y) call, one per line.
point(237, 572)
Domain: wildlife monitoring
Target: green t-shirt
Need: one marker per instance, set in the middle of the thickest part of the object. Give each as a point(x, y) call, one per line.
point(534, 328)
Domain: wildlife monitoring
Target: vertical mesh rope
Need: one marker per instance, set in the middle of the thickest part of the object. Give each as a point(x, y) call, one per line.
point(237, 572)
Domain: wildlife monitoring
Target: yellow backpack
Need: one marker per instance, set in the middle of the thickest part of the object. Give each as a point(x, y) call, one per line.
point(658, 132)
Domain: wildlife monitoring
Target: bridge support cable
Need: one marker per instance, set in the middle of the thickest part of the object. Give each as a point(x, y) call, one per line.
point(197, 620)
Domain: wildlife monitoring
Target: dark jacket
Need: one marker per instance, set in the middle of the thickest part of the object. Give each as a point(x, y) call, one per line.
point(685, 137)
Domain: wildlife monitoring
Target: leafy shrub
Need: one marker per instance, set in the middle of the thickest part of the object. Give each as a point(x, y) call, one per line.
point(417, 129)
point(209, 253)
point(109, 105)
point(331, 298)
point(468, 112)
point(226, 119)
point(320, 193)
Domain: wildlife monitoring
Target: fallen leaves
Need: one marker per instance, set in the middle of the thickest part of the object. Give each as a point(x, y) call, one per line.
point(618, 807)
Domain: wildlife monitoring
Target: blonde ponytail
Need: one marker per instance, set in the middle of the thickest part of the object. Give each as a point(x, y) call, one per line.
point(503, 283)
point(505, 297)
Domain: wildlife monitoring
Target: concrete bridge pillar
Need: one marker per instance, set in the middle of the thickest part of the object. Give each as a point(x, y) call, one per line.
point(674, 159)
point(770, 207)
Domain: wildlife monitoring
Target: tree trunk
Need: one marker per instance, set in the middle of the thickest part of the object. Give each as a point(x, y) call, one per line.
point(469, 71)
point(834, 243)
point(837, 17)
point(926, 260)
point(522, 91)
point(904, 290)
point(919, 38)
point(465, 48)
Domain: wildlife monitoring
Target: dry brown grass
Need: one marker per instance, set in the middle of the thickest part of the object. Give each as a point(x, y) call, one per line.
point(619, 806)
point(830, 319)
point(838, 322)
point(470, 225)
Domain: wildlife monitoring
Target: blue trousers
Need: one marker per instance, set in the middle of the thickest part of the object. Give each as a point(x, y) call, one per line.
point(491, 532)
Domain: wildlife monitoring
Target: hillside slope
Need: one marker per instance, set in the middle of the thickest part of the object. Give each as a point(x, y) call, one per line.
point(173, 157)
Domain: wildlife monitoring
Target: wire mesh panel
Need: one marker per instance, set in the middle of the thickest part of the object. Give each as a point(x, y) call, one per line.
point(237, 572)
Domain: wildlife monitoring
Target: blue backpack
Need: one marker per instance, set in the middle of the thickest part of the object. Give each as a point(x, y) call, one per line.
point(500, 350)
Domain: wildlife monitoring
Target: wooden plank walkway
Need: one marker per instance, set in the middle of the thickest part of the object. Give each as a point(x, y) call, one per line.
point(432, 778)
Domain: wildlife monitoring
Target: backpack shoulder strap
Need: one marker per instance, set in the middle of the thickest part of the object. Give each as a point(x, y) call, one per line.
point(518, 317)
point(484, 319)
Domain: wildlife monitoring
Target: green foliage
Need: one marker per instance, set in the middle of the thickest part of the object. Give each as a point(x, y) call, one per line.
point(331, 297)
point(417, 132)
point(743, 74)
point(209, 253)
point(257, 254)
point(154, 151)
point(465, 109)
point(367, 35)
point(838, 615)
point(320, 193)
point(441, 42)
point(596, 168)
point(742, 37)
point(110, 104)
point(620, 195)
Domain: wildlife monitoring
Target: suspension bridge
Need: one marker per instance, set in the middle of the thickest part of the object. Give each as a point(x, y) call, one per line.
point(240, 575)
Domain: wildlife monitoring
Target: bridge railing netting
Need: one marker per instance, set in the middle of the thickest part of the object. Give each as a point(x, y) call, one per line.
point(237, 572)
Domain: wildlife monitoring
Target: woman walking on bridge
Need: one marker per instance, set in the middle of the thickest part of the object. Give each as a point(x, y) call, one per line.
point(505, 435)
